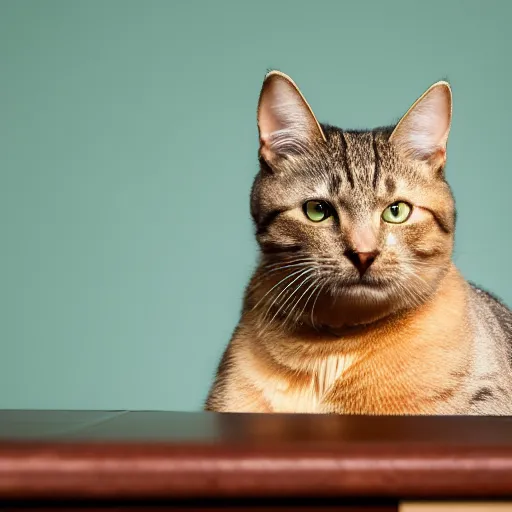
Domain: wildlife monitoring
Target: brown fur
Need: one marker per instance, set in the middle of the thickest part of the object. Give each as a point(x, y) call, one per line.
point(410, 336)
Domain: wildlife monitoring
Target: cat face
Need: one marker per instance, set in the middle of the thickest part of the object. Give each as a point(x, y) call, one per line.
point(352, 226)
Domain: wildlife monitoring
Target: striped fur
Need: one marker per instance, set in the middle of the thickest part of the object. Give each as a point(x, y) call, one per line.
point(410, 335)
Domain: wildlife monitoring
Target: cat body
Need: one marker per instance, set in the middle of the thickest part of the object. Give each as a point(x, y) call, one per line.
point(356, 306)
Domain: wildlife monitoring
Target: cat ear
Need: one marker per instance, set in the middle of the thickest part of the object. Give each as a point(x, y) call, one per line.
point(286, 123)
point(422, 133)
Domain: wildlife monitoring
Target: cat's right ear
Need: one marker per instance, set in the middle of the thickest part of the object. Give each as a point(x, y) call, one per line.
point(286, 123)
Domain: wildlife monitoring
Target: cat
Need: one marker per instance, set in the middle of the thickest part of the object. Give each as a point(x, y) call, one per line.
point(356, 306)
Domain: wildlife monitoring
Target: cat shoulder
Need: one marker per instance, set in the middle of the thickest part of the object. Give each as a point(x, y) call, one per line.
point(498, 307)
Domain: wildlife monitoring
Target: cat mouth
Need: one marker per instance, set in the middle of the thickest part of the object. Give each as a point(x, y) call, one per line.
point(364, 282)
point(376, 288)
point(352, 286)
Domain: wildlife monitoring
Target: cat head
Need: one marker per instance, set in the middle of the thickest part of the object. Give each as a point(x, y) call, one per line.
point(356, 224)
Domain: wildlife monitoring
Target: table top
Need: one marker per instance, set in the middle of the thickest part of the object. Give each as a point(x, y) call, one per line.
point(137, 454)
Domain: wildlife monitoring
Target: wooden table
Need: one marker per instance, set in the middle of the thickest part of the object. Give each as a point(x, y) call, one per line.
point(204, 461)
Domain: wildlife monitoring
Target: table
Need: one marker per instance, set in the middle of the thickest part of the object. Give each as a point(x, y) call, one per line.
point(136, 460)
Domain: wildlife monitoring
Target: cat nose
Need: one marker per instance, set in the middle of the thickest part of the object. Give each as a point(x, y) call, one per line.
point(361, 260)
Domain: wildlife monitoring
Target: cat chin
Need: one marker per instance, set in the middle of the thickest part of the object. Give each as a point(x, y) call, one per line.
point(357, 304)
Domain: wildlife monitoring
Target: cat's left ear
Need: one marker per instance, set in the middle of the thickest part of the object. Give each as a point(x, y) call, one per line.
point(286, 123)
point(422, 133)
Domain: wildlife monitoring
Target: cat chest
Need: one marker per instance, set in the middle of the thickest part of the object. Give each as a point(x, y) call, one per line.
point(305, 392)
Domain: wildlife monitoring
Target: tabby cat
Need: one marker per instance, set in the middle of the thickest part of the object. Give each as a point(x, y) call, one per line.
point(355, 306)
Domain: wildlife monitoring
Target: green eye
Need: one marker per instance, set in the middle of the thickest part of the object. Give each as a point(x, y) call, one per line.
point(397, 213)
point(317, 211)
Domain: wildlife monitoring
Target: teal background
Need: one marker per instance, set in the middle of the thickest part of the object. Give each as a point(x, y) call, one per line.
point(128, 146)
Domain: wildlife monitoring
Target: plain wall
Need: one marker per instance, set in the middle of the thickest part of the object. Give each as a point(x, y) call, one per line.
point(128, 145)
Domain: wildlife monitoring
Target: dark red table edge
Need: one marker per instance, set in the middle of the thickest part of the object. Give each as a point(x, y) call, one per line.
point(49, 470)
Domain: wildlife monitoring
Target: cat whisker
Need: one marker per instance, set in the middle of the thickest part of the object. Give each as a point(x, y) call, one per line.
point(316, 282)
point(314, 304)
point(264, 275)
point(290, 297)
point(302, 264)
point(411, 293)
point(295, 260)
point(276, 285)
point(416, 276)
point(303, 272)
point(262, 325)
point(271, 263)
